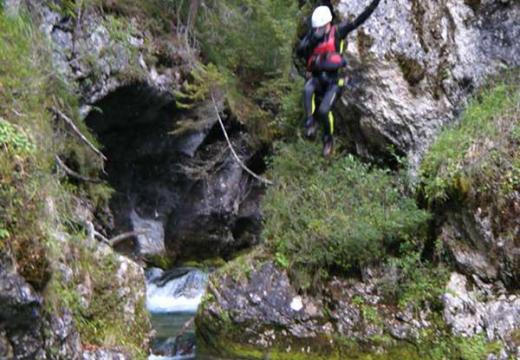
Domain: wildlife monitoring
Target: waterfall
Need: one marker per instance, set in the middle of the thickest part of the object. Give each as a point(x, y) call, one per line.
point(172, 298)
point(169, 294)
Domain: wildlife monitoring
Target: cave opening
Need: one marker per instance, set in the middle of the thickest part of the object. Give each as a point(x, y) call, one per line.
point(184, 190)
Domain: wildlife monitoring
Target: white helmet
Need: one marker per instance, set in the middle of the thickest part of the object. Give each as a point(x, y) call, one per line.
point(321, 16)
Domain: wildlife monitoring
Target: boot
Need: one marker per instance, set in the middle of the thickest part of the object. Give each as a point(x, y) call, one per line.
point(328, 145)
point(310, 128)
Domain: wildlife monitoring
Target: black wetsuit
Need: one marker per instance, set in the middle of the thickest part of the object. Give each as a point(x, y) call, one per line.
point(325, 74)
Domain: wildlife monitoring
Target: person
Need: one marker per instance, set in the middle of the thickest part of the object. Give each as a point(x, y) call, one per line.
point(323, 48)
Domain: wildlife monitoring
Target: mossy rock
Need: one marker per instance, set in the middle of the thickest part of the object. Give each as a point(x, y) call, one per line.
point(412, 70)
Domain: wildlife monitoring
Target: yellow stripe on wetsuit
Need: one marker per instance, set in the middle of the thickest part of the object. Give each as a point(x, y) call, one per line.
point(331, 122)
point(341, 82)
point(330, 117)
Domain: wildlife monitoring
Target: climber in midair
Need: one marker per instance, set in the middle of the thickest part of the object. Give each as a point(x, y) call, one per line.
point(322, 49)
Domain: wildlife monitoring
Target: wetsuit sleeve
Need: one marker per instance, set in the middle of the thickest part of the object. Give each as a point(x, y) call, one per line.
point(306, 45)
point(346, 27)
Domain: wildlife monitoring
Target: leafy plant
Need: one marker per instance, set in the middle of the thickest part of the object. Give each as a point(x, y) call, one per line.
point(446, 171)
point(335, 216)
point(13, 140)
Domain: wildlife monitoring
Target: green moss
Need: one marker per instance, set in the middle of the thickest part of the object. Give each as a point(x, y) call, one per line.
point(227, 344)
point(211, 263)
point(162, 261)
point(474, 4)
point(491, 114)
point(412, 70)
point(228, 341)
point(101, 321)
point(36, 201)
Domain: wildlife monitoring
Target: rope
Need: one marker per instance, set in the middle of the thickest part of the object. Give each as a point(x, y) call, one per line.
point(242, 165)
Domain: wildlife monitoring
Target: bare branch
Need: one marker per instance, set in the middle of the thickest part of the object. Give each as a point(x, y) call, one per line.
point(76, 130)
point(121, 237)
point(242, 165)
point(74, 174)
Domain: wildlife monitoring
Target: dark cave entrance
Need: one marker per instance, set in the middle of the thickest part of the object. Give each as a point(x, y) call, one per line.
point(185, 190)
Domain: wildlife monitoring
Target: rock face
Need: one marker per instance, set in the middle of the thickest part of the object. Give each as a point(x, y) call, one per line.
point(173, 173)
point(29, 331)
point(470, 312)
point(252, 308)
point(90, 54)
point(184, 189)
point(255, 306)
point(412, 65)
point(21, 311)
point(471, 237)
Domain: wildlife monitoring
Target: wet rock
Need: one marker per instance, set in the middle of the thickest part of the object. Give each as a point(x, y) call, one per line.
point(413, 63)
point(498, 318)
point(220, 212)
point(264, 301)
point(20, 303)
point(28, 344)
point(183, 187)
point(65, 341)
point(264, 310)
point(152, 241)
point(6, 350)
point(478, 249)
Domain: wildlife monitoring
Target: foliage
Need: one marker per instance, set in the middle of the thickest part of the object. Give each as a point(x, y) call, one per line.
point(13, 140)
point(284, 96)
point(419, 284)
point(205, 80)
point(335, 216)
point(98, 316)
point(23, 130)
point(251, 43)
point(475, 152)
point(35, 201)
point(436, 345)
point(155, 14)
point(253, 39)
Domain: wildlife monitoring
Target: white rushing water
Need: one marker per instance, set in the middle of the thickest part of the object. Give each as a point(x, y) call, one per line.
point(181, 294)
point(180, 357)
point(172, 298)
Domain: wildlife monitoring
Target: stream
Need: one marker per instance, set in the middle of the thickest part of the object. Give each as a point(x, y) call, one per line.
point(172, 298)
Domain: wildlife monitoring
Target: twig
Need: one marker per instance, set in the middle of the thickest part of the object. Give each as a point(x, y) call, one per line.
point(76, 130)
point(74, 174)
point(17, 113)
point(93, 233)
point(117, 239)
point(242, 165)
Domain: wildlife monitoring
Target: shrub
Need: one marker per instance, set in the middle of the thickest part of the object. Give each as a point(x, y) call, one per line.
point(252, 38)
point(251, 43)
point(481, 150)
point(323, 216)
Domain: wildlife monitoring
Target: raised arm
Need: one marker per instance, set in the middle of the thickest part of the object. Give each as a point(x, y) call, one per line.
point(346, 27)
point(306, 45)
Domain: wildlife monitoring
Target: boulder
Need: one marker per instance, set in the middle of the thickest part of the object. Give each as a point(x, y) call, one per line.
point(469, 310)
point(412, 65)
